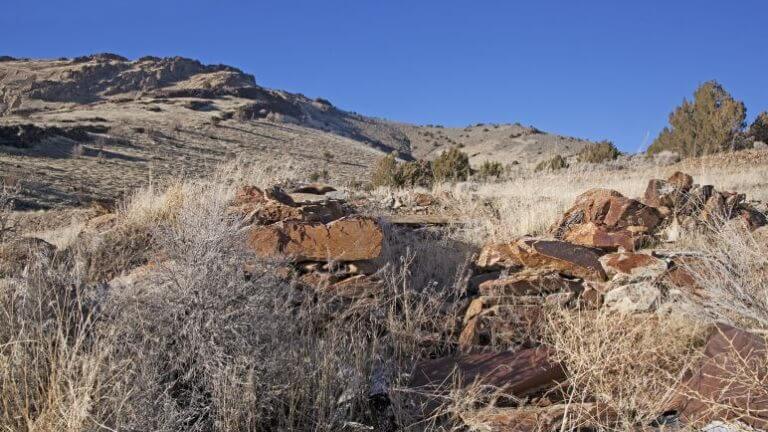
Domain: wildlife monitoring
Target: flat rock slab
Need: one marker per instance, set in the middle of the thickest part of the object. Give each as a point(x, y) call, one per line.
point(522, 373)
point(563, 257)
point(347, 239)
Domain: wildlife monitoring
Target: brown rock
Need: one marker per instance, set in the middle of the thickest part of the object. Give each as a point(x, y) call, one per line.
point(657, 194)
point(597, 236)
point(496, 256)
point(624, 212)
point(753, 218)
point(592, 296)
point(524, 373)
point(527, 283)
point(632, 264)
point(590, 206)
point(729, 384)
point(681, 181)
point(554, 255)
point(348, 239)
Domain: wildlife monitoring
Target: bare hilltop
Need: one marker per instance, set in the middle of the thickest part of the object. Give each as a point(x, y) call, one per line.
point(92, 127)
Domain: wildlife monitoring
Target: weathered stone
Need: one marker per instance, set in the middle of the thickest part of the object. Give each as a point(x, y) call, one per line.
point(528, 283)
point(633, 298)
point(524, 373)
point(592, 296)
point(632, 264)
point(591, 206)
point(597, 236)
point(348, 239)
point(729, 383)
point(624, 212)
point(657, 194)
point(554, 255)
point(496, 256)
point(272, 205)
point(681, 181)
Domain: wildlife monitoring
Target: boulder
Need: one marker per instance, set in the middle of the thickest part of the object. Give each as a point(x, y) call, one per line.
point(630, 263)
point(633, 298)
point(559, 256)
point(524, 373)
point(347, 239)
point(729, 383)
point(680, 181)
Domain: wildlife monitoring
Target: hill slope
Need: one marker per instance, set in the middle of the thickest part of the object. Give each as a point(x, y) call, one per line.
point(128, 120)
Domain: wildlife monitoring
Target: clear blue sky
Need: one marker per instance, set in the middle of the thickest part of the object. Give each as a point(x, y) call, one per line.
point(594, 69)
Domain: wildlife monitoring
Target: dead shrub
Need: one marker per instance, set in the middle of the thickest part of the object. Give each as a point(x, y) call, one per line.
point(555, 164)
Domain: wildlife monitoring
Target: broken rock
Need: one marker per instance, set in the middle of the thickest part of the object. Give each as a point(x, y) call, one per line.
point(630, 263)
point(347, 239)
point(559, 256)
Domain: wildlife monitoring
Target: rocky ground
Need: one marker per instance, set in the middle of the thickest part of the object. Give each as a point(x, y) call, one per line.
point(624, 314)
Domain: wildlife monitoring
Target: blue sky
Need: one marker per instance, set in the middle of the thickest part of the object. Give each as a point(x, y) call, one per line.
point(594, 69)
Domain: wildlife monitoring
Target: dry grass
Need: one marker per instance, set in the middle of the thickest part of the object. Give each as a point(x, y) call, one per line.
point(627, 363)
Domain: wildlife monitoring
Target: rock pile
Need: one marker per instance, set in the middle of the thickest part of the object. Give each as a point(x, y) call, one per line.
point(326, 244)
point(592, 260)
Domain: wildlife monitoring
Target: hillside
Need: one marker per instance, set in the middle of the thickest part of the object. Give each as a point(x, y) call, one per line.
point(103, 124)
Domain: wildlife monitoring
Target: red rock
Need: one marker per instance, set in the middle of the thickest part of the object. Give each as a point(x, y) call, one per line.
point(681, 181)
point(729, 384)
point(656, 194)
point(524, 373)
point(632, 263)
point(597, 236)
point(348, 239)
point(624, 212)
point(554, 255)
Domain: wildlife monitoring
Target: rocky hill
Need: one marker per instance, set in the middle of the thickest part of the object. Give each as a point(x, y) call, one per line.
point(127, 120)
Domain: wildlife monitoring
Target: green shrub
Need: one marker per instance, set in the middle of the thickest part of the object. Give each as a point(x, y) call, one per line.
point(556, 163)
point(415, 173)
point(707, 125)
point(599, 152)
point(452, 165)
point(385, 172)
point(389, 173)
point(759, 129)
point(489, 170)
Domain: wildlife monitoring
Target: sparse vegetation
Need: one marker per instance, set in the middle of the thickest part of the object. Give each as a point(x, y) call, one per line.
point(489, 170)
point(555, 164)
point(759, 128)
point(710, 123)
point(599, 152)
point(451, 166)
